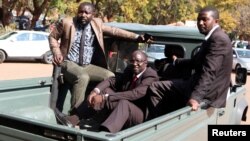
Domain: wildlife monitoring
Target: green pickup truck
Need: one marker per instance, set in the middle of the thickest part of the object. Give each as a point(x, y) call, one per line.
point(26, 115)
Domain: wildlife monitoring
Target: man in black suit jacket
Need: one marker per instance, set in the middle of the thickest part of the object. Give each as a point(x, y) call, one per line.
point(210, 81)
point(122, 97)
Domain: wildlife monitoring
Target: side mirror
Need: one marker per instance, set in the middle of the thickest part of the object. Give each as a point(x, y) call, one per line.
point(234, 56)
point(241, 76)
point(195, 51)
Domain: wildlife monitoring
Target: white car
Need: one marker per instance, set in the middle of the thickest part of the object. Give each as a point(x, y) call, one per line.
point(241, 58)
point(235, 42)
point(155, 51)
point(25, 45)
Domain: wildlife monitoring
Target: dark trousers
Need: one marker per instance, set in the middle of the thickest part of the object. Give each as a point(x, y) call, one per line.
point(166, 96)
point(125, 114)
point(120, 114)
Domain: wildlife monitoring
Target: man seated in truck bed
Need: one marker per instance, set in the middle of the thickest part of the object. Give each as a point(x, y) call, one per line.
point(121, 96)
point(212, 65)
point(165, 67)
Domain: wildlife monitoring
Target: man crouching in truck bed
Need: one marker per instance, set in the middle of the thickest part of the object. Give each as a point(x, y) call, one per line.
point(211, 79)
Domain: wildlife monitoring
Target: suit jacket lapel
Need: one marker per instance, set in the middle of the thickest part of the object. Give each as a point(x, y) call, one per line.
point(97, 32)
point(72, 31)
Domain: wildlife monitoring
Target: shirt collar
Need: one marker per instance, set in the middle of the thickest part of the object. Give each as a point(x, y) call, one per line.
point(81, 27)
point(211, 31)
point(138, 75)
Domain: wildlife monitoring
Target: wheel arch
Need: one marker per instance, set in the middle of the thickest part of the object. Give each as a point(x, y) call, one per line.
point(241, 111)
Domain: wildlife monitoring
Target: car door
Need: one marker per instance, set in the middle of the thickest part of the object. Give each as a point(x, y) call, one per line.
point(39, 44)
point(28, 45)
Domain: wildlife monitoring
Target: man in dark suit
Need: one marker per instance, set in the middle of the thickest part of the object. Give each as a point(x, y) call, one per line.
point(165, 69)
point(122, 97)
point(210, 81)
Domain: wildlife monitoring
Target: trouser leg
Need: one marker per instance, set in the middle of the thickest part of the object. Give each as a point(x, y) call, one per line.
point(98, 73)
point(63, 90)
point(125, 113)
point(90, 73)
point(78, 78)
point(166, 96)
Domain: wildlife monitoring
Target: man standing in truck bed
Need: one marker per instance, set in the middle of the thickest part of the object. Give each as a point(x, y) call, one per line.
point(212, 65)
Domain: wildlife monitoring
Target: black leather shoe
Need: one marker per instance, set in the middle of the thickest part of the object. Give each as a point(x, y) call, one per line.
point(73, 111)
point(89, 124)
point(61, 118)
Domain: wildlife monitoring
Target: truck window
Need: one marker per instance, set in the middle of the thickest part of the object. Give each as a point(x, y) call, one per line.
point(118, 54)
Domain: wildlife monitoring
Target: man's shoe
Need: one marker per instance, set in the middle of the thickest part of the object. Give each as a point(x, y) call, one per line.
point(73, 111)
point(74, 119)
point(61, 118)
point(90, 124)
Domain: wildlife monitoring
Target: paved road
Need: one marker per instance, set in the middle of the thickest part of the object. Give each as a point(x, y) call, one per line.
point(9, 71)
point(22, 70)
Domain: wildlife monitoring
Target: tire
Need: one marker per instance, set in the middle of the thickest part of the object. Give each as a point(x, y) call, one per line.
point(2, 56)
point(47, 57)
point(237, 66)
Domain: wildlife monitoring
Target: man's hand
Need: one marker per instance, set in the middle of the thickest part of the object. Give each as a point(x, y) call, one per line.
point(145, 38)
point(90, 98)
point(174, 57)
point(194, 104)
point(57, 59)
point(96, 101)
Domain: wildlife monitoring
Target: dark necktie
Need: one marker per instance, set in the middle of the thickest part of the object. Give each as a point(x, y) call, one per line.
point(81, 48)
point(133, 82)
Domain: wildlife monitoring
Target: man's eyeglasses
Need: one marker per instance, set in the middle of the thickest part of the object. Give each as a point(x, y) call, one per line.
point(139, 62)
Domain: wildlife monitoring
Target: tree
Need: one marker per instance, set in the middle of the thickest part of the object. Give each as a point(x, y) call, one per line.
point(226, 8)
point(37, 9)
point(234, 14)
point(6, 12)
point(243, 22)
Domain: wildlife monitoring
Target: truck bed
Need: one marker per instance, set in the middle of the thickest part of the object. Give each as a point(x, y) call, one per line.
point(25, 115)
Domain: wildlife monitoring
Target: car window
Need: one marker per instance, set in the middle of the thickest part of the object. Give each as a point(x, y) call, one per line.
point(23, 37)
point(156, 48)
point(38, 37)
point(173, 49)
point(119, 54)
point(243, 53)
point(121, 50)
point(154, 51)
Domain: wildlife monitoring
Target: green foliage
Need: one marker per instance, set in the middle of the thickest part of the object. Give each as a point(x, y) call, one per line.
point(234, 13)
point(227, 9)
